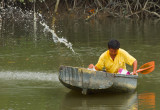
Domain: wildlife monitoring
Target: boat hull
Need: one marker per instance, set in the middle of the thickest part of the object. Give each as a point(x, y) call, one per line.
point(82, 79)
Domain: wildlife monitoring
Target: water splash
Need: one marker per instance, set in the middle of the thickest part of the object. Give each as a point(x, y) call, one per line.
point(16, 13)
point(19, 15)
point(56, 39)
point(36, 76)
point(32, 18)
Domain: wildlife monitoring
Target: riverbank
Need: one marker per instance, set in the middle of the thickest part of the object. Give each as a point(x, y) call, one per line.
point(90, 9)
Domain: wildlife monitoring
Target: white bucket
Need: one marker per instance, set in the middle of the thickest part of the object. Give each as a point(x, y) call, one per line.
point(123, 71)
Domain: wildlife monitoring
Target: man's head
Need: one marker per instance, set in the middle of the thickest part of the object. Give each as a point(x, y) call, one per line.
point(113, 46)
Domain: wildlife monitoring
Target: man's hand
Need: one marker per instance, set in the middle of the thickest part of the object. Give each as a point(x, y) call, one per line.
point(91, 66)
point(134, 73)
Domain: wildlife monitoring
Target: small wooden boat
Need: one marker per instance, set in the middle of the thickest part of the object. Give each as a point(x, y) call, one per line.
point(87, 81)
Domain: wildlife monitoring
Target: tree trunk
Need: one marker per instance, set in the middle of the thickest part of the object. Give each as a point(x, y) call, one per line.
point(75, 2)
point(67, 4)
point(56, 6)
point(2, 3)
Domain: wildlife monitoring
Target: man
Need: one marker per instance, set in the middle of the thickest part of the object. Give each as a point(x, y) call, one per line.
point(114, 59)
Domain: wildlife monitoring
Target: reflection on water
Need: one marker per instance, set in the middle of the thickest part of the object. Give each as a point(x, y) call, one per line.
point(129, 101)
point(74, 101)
point(0, 22)
point(147, 101)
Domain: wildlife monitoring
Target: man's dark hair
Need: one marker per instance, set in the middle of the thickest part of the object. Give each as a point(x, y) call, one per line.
point(114, 44)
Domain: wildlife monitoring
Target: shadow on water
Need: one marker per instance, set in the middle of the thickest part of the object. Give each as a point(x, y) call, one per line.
point(126, 101)
point(110, 101)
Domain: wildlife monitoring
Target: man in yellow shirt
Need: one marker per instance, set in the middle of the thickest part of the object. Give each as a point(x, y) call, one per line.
point(114, 59)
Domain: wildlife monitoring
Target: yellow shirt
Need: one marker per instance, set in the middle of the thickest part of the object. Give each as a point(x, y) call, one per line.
point(122, 58)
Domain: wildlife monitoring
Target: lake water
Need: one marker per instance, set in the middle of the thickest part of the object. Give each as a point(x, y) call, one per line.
point(30, 60)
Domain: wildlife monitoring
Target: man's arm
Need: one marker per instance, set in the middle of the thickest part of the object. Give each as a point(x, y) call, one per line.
point(134, 68)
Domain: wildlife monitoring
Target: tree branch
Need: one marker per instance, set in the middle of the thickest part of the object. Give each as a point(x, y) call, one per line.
point(154, 13)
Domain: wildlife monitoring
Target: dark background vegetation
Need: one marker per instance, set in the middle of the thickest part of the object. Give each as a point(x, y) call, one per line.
point(90, 8)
